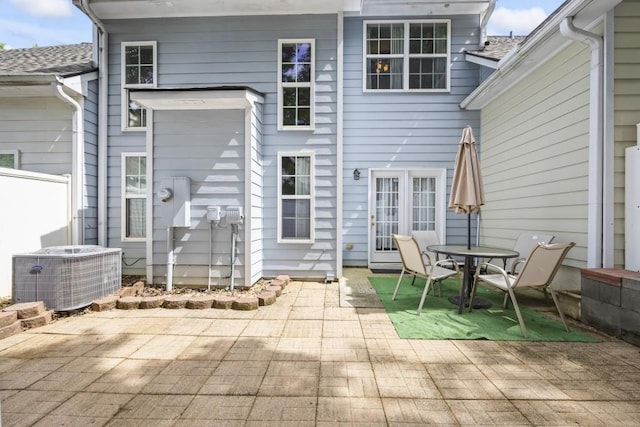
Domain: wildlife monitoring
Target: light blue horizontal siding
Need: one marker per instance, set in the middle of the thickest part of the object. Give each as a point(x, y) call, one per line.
point(90, 213)
point(241, 51)
point(401, 130)
point(208, 148)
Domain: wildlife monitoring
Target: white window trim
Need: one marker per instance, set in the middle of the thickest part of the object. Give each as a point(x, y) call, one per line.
point(311, 86)
point(440, 175)
point(16, 157)
point(406, 56)
point(124, 110)
point(123, 197)
point(311, 196)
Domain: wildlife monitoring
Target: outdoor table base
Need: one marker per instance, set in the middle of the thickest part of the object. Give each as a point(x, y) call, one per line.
point(469, 255)
point(477, 302)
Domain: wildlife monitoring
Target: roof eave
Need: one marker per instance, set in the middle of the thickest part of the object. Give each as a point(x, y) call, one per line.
point(481, 60)
point(540, 46)
point(135, 9)
point(22, 79)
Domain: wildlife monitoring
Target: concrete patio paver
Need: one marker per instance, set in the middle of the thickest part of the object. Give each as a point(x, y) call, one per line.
point(305, 360)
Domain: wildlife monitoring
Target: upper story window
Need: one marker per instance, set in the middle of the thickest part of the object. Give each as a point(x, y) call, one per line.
point(296, 75)
point(139, 70)
point(407, 55)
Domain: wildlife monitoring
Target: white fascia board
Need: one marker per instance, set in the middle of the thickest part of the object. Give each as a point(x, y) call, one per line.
point(539, 47)
point(164, 99)
point(79, 83)
point(422, 8)
point(485, 62)
point(131, 9)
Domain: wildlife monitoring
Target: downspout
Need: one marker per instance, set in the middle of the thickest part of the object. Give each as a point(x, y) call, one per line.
point(103, 52)
point(340, 145)
point(77, 163)
point(596, 139)
point(485, 21)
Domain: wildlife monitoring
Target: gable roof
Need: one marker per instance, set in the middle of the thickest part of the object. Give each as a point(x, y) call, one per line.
point(497, 47)
point(543, 43)
point(64, 60)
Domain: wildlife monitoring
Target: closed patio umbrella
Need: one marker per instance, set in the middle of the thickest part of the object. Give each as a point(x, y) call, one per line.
point(467, 193)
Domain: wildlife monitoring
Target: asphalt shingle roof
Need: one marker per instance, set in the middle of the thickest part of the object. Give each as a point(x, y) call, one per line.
point(64, 60)
point(498, 47)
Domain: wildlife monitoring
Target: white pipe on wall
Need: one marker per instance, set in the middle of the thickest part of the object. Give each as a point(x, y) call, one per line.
point(596, 139)
point(484, 22)
point(77, 163)
point(103, 97)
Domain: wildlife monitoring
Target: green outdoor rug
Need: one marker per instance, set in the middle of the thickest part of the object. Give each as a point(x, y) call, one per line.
point(440, 319)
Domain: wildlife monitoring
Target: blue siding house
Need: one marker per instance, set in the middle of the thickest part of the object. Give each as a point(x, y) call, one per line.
point(240, 140)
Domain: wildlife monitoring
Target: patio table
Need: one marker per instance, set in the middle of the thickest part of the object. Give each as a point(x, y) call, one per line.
point(470, 254)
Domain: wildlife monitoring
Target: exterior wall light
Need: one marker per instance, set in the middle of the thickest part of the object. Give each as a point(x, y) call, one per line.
point(356, 174)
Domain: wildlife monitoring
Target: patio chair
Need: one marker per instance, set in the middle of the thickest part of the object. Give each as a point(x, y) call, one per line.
point(525, 243)
point(426, 238)
point(414, 263)
point(538, 271)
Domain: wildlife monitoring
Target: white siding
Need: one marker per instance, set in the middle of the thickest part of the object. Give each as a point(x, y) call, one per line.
point(257, 196)
point(534, 158)
point(401, 130)
point(40, 127)
point(626, 106)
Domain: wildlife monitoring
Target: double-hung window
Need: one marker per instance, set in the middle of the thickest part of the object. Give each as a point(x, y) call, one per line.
point(296, 198)
point(407, 55)
point(139, 70)
point(10, 159)
point(296, 74)
point(134, 196)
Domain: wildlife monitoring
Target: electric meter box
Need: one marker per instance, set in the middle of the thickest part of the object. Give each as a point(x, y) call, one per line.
point(235, 215)
point(175, 201)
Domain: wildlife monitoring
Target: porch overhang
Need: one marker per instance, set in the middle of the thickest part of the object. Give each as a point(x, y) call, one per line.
point(218, 98)
point(135, 9)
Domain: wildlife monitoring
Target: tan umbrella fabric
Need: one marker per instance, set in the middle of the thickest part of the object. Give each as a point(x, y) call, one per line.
point(467, 192)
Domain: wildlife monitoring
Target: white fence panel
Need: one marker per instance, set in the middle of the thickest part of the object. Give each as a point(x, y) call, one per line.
point(34, 214)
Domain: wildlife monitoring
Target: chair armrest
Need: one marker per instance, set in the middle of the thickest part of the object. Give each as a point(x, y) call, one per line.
point(426, 254)
point(509, 279)
point(516, 263)
point(450, 261)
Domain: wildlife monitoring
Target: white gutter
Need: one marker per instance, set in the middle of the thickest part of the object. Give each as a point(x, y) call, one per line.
point(596, 139)
point(77, 163)
point(543, 43)
point(484, 21)
point(103, 97)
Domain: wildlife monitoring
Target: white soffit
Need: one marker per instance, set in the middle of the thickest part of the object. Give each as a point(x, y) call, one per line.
point(127, 9)
point(195, 99)
point(423, 7)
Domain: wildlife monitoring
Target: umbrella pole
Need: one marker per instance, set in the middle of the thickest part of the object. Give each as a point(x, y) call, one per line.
point(469, 230)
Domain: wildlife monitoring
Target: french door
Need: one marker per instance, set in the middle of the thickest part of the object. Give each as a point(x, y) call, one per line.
point(403, 200)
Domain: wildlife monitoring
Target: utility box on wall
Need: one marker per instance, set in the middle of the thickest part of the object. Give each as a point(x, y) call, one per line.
point(175, 198)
